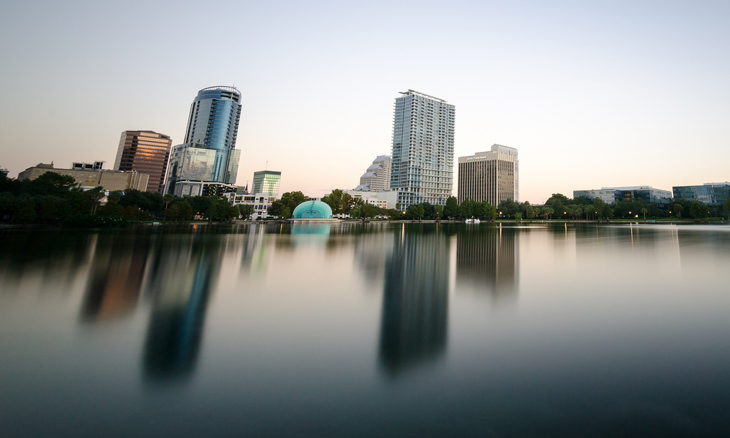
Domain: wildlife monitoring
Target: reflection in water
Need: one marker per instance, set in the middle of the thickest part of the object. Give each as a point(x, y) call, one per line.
point(182, 279)
point(487, 260)
point(116, 276)
point(52, 258)
point(415, 300)
point(310, 234)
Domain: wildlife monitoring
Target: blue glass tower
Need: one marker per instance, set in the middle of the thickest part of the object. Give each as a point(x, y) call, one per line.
point(213, 125)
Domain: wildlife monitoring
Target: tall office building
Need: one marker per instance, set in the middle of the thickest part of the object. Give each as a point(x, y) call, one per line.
point(423, 149)
point(146, 152)
point(209, 153)
point(491, 176)
point(266, 182)
point(377, 177)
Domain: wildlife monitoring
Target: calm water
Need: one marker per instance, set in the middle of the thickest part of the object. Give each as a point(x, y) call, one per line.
point(352, 330)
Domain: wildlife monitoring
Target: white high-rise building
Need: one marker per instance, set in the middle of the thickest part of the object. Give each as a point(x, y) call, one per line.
point(423, 149)
point(491, 176)
point(377, 177)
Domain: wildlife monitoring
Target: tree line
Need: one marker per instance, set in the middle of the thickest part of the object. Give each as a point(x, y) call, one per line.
point(54, 199)
point(558, 206)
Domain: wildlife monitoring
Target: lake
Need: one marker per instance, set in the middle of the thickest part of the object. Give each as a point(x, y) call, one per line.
point(365, 330)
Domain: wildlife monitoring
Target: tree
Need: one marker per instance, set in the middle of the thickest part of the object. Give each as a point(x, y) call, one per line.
point(245, 211)
point(677, 207)
point(726, 208)
point(95, 195)
point(644, 211)
point(284, 207)
point(339, 201)
point(509, 207)
point(452, 207)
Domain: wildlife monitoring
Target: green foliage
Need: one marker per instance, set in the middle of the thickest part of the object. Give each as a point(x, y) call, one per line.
point(285, 206)
point(452, 209)
point(245, 211)
point(509, 208)
point(340, 202)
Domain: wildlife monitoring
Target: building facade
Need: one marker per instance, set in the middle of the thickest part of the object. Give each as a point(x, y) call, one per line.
point(88, 176)
point(261, 202)
point(377, 177)
point(208, 153)
point(266, 181)
point(146, 152)
point(423, 149)
point(710, 194)
point(383, 199)
point(491, 176)
point(609, 195)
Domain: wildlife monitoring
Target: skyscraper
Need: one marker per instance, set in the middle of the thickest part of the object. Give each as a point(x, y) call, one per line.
point(491, 176)
point(267, 182)
point(377, 177)
point(146, 152)
point(423, 149)
point(209, 153)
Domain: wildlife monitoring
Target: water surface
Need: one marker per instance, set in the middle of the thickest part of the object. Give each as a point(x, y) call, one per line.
point(362, 330)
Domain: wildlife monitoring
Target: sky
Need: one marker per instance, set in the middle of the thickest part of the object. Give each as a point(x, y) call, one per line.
point(592, 94)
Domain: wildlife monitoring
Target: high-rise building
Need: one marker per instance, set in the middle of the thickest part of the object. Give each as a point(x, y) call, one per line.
point(377, 177)
point(208, 153)
point(266, 182)
point(423, 149)
point(491, 176)
point(146, 152)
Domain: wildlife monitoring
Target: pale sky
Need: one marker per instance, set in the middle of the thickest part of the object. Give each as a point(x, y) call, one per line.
point(592, 94)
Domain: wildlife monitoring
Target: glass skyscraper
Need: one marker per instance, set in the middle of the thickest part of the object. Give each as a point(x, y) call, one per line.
point(210, 137)
point(423, 149)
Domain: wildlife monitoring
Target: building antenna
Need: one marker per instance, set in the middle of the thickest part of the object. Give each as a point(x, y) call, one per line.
point(267, 165)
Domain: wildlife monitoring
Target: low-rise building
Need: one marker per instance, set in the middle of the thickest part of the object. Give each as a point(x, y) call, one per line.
point(90, 175)
point(261, 203)
point(609, 195)
point(202, 188)
point(387, 199)
point(711, 194)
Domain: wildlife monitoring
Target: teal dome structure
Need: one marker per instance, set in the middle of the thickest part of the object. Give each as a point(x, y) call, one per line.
point(312, 210)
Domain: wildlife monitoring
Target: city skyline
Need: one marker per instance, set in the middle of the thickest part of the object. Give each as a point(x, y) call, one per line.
point(616, 94)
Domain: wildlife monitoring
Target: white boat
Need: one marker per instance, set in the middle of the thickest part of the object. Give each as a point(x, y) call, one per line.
point(472, 221)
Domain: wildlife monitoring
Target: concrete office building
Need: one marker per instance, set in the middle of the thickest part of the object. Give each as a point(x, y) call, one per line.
point(208, 153)
point(146, 152)
point(261, 202)
point(377, 177)
point(491, 176)
point(266, 181)
point(382, 199)
point(423, 149)
point(89, 175)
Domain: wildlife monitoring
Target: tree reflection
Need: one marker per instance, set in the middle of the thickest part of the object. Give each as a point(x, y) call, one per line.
point(415, 300)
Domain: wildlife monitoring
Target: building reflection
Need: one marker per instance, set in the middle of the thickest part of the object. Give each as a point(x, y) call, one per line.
point(116, 277)
point(415, 300)
point(182, 276)
point(487, 261)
